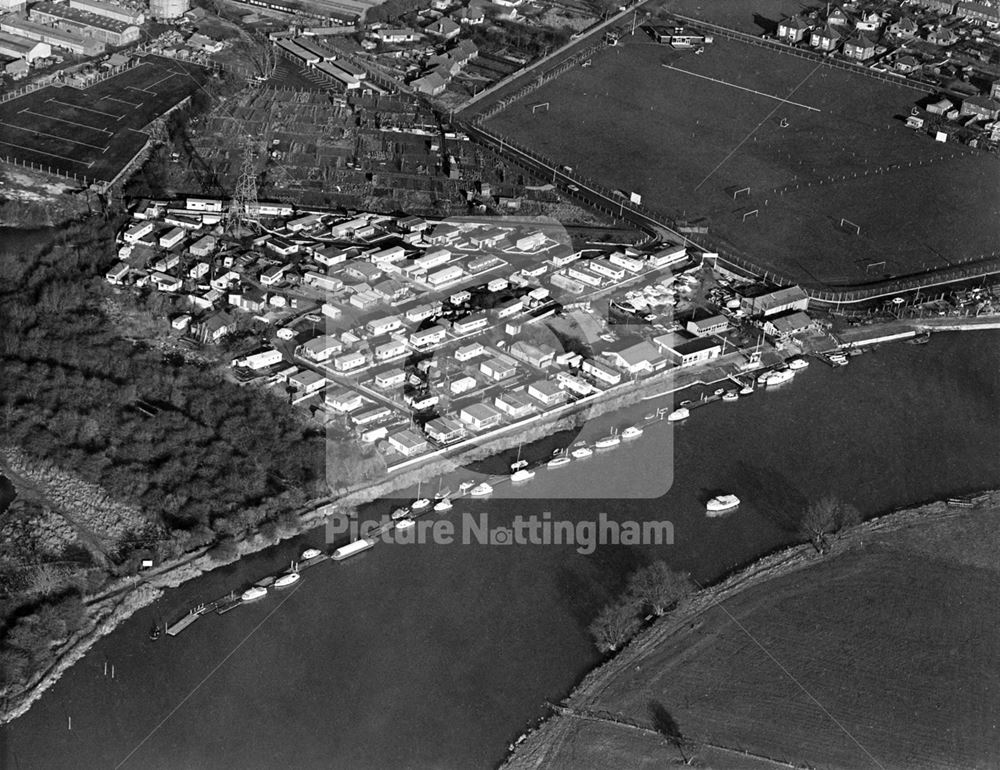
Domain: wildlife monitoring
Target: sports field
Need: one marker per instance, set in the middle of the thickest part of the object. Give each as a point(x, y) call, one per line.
point(93, 132)
point(814, 145)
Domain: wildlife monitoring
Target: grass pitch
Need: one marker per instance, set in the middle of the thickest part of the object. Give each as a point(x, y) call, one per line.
point(95, 131)
point(815, 146)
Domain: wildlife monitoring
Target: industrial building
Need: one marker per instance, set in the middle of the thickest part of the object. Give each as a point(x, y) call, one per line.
point(57, 38)
point(25, 48)
point(86, 23)
point(120, 13)
point(12, 6)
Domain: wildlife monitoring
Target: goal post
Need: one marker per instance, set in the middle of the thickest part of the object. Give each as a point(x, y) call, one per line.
point(749, 214)
point(540, 106)
point(847, 224)
point(741, 191)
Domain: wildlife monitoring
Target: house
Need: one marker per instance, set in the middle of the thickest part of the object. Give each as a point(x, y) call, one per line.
point(859, 48)
point(979, 12)
point(939, 6)
point(640, 358)
point(391, 290)
point(432, 335)
point(138, 231)
point(787, 324)
point(432, 259)
point(250, 300)
point(370, 416)
point(509, 308)
point(826, 39)
point(480, 416)
point(446, 275)
point(444, 28)
point(321, 281)
point(442, 234)
point(204, 246)
point(606, 268)
point(906, 64)
point(261, 360)
point(539, 356)
point(572, 383)
point(621, 259)
point(461, 385)
point(546, 392)
point(408, 442)
point(164, 282)
point(773, 302)
point(391, 349)
point(470, 351)
point(387, 256)
point(943, 36)
point(498, 368)
point(444, 430)
point(282, 246)
point(686, 351)
point(396, 35)
point(172, 237)
point(514, 405)
point(16, 69)
point(420, 401)
point(390, 378)
point(794, 30)
point(470, 323)
point(320, 348)
point(904, 28)
point(344, 400)
point(870, 21)
point(384, 325)
point(421, 312)
point(330, 255)
point(350, 361)
point(701, 327)
point(432, 84)
point(473, 15)
point(488, 237)
point(601, 372)
point(980, 108)
point(360, 270)
point(838, 18)
point(214, 327)
point(116, 275)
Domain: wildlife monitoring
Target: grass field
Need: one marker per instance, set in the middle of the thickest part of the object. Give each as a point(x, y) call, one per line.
point(686, 131)
point(883, 655)
point(753, 18)
point(93, 132)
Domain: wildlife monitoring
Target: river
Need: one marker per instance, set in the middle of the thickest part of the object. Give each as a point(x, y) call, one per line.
point(438, 655)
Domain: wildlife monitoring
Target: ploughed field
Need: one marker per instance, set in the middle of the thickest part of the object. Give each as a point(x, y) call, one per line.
point(93, 132)
point(815, 145)
point(882, 655)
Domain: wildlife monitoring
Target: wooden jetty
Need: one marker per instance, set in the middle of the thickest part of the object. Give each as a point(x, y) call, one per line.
point(175, 628)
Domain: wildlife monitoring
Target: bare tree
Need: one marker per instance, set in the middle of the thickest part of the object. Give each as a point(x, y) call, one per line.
point(824, 517)
point(614, 626)
point(659, 587)
point(667, 726)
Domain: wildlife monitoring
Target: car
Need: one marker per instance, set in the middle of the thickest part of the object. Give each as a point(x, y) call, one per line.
point(573, 188)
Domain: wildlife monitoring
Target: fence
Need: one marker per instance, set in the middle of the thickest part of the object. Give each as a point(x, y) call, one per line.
point(777, 45)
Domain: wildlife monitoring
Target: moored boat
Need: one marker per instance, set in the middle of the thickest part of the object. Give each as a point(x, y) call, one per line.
point(797, 363)
point(631, 432)
point(776, 377)
point(419, 504)
point(311, 553)
point(465, 486)
point(354, 547)
point(607, 442)
point(441, 494)
point(253, 593)
point(838, 359)
point(400, 513)
point(521, 475)
point(558, 462)
point(679, 414)
point(746, 390)
point(405, 523)
point(720, 504)
point(481, 490)
point(730, 395)
point(581, 452)
point(719, 392)
point(444, 504)
point(289, 578)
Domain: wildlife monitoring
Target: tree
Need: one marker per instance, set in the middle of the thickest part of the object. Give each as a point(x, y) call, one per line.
point(666, 726)
point(659, 587)
point(614, 626)
point(824, 517)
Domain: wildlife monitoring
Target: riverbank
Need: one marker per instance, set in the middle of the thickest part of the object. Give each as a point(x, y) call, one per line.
point(701, 662)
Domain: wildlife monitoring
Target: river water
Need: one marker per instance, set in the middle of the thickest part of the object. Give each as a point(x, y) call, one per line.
point(438, 655)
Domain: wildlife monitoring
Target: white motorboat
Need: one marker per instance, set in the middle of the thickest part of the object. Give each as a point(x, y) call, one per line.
point(839, 359)
point(311, 553)
point(465, 486)
point(679, 414)
point(521, 475)
point(607, 442)
point(558, 462)
point(419, 504)
point(731, 395)
point(444, 504)
point(719, 392)
point(253, 593)
point(400, 513)
point(776, 377)
point(721, 504)
point(289, 578)
point(746, 390)
point(441, 494)
point(631, 432)
point(581, 452)
point(481, 490)
point(405, 523)
point(797, 363)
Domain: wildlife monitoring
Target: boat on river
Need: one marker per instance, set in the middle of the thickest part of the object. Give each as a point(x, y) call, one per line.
point(797, 363)
point(481, 490)
point(776, 377)
point(581, 452)
point(253, 593)
point(679, 414)
point(405, 523)
point(746, 390)
point(721, 504)
point(631, 432)
point(521, 475)
point(353, 548)
point(288, 579)
point(608, 442)
point(444, 504)
point(311, 553)
point(558, 462)
point(731, 395)
point(400, 513)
